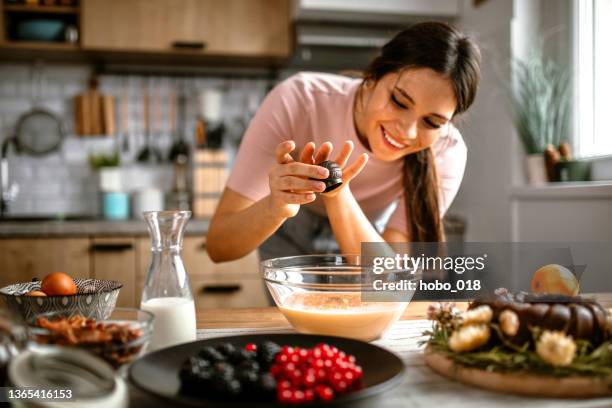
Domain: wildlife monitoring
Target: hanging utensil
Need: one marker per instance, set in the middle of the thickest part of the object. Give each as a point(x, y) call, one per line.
point(147, 153)
point(38, 131)
point(179, 145)
point(125, 127)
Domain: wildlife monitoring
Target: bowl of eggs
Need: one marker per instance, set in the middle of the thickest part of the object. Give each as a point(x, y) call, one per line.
point(59, 292)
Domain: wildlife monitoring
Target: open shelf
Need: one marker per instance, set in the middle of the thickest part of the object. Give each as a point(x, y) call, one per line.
point(17, 8)
point(41, 45)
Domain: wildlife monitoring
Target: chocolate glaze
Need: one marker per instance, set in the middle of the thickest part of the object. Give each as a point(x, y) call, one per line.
point(579, 317)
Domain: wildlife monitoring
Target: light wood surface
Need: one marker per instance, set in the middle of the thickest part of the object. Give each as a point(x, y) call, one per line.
point(271, 317)
point(230, 27)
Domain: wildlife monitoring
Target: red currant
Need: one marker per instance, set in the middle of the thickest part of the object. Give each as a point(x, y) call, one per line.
point(324, 392)
point(251, 347)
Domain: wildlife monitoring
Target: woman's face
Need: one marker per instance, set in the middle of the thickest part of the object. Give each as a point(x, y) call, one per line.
point(405, 112)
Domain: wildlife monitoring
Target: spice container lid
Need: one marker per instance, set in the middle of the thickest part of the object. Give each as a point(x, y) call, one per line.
point(90, 380)
point(334, 180)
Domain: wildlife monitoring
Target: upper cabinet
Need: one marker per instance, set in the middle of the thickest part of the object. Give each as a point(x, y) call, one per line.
point(249, 28)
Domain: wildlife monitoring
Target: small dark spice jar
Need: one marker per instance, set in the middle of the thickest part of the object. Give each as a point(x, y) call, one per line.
point(334, 180)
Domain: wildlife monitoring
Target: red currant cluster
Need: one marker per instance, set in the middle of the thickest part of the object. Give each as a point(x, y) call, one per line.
point(318, 373)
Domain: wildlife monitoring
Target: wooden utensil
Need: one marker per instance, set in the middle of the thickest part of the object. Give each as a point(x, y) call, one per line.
point(108, 115)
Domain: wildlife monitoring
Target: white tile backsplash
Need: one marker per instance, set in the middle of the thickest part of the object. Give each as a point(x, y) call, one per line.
point(62, 182)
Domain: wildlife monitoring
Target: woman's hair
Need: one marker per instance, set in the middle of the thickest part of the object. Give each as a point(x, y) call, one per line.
point(442, 48)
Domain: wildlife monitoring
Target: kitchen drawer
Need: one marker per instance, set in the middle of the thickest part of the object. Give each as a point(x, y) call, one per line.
point(114, 258)
point(198, 263)
point(226, 291)
point(23, 259)
point(229, 291)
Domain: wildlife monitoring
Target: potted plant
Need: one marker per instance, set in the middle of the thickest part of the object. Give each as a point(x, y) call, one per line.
point(115, 201)
point(540, 107)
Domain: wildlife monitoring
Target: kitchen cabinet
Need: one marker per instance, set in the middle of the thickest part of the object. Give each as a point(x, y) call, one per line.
point(207, 27)
point(227, 284)
point(23, 259)
point(115, 258)
point(126, 259)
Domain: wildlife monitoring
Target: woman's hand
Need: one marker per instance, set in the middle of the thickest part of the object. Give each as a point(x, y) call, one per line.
point(348, 173)
point(290, 181)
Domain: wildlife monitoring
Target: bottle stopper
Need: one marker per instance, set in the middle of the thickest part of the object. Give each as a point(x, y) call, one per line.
point(334, 180)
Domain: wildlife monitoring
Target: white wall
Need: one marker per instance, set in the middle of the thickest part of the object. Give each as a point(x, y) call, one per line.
point(487, 127)
point(504, 29)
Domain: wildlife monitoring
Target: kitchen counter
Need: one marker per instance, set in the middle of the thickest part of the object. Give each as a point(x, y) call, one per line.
point(422, 387)
point(62, 228)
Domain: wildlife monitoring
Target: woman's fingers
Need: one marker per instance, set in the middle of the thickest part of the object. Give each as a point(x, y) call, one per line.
point(307, 153)
point(345, 153)
point(303, 170)
point(295, 198)
point(282, 152)
point(324, 152)
point(354, 169)
point(299, 184)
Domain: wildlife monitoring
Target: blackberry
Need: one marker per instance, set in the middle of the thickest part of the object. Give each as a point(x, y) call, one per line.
point(195, 376)
point(249, 365)
point(267, 385)
point(224, 370)
point(241, 355)
point(195, 365)
point(210, 354)
point(266, 352)
point(227, 387)
point(249, 380)
point(227, 349)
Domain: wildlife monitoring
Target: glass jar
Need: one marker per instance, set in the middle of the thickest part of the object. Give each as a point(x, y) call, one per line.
point(167, 291)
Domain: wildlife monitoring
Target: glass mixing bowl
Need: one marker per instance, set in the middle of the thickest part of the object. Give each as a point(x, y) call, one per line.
point(322, 294)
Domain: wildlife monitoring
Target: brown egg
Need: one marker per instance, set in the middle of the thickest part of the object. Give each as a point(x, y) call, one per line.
point(58, 284)
point(36, 293)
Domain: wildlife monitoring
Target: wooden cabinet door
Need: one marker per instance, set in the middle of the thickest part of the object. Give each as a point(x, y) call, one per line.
point(217, 27)
point(250, 27)
point(23, 259)
point(235, 284)
point(114, 258)
point(223, 291)
point(142, 25)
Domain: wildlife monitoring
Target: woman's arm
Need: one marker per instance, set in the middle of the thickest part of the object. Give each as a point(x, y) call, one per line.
point(240, 225)
point(350, 225)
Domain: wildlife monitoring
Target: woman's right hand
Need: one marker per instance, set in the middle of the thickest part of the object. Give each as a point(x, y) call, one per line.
point(290, 181)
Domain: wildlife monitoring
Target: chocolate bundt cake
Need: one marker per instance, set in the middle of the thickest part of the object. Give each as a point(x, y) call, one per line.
point(579, 317)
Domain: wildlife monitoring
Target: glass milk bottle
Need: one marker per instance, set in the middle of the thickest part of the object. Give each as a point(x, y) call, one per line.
point(167, 292)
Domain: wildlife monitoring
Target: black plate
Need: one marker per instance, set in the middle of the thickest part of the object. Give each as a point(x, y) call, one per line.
point(158, 373)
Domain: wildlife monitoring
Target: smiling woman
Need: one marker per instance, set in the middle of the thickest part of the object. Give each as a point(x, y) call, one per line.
point(396, 146)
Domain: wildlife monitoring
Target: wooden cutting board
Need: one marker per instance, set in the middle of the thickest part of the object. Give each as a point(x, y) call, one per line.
point(520, 383)
point(94, 112)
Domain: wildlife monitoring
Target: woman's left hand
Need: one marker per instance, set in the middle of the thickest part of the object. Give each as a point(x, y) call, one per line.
point(348, 172)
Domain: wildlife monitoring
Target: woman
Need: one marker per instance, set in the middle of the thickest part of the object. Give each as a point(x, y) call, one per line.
point(396, 143)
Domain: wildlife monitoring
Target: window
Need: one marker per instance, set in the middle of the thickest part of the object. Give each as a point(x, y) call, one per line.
point(593, 81)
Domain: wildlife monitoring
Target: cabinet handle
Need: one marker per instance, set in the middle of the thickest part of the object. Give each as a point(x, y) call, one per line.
point(119, 247)
point(189, 45)
point(221, 288)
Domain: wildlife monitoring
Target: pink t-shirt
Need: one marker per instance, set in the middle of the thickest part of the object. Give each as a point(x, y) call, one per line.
point(319, 107)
